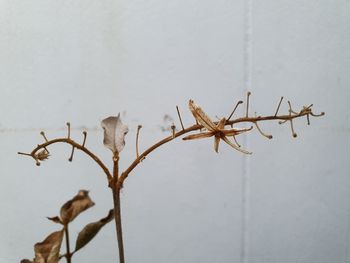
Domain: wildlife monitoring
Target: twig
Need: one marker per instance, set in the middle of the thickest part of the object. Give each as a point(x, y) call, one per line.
point(73, 143)
point(71, 155)
point(84, 141)
point(239, 102)
point(68, 126)
point(178, 114)
point(247, 109)
point(268, 136)
point(43, 134)
point(137, 140)
point(234, 138)
point(173, 129)
point(291, 120)
point(278, 107)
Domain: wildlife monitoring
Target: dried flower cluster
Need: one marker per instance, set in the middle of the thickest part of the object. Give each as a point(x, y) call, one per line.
point(114, 134)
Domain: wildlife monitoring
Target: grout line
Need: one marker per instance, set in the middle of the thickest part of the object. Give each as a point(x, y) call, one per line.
point(15, 130)
point(244, 255)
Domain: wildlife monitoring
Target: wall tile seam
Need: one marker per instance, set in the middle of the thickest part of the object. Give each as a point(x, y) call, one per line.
point(244, 255)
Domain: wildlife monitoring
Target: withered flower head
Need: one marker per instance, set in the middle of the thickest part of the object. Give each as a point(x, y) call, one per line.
point(42, 155)
point(216, 130)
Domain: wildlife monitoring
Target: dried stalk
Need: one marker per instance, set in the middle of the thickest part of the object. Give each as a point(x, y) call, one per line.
point(68, 254)
point(116, 180)
point(117, 210)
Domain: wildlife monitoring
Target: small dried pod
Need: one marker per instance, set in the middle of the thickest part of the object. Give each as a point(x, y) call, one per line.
point(48, 250)
point(42, 155)
point(71, 209)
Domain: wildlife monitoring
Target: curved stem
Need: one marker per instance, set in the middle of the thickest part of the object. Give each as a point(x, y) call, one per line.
point(254, 120)
point(75, 145)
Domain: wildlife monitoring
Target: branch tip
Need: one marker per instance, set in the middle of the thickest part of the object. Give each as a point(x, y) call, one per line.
point(237, 104)
point(278, 107)
point(137, 140)
point(85, 135)
point(173, 128)
point(27, 154)
point(268, 136)
point(247, 109)
point(68, 126)
point(71, 155)
point(179, 115)
point(234, 138)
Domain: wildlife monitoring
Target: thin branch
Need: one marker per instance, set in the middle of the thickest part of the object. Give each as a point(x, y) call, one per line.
point(173, 129)
point(45, 138)
point(234, 138)
point(68, 127)
point(197, 126)
point(43, 134)
point(247, 109)
point(317, 115)
point(76, 145)
point(178, 114)
point(84, 141)
point(268, 136)
point(71, 155)
point(239, 102)
point(278, 107)
point(308, 119)
point(26, 154)
point(291, 120)
point(137, 140)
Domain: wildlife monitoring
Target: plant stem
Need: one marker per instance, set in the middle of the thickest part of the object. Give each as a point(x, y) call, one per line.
point(117, 211)
point(68, 253)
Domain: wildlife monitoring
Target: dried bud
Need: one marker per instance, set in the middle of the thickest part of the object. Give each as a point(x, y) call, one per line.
point(42, 155)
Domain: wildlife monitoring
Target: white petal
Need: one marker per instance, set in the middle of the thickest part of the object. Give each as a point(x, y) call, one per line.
point(114, 133)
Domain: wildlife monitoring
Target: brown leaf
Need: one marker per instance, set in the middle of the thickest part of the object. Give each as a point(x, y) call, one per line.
point(48, 250)
point(55, 219)
point(75, 206)
point(26, 261)
point(91, 230)
point(114, 133)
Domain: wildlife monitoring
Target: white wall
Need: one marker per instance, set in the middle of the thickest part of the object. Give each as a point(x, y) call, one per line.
point(83, 60)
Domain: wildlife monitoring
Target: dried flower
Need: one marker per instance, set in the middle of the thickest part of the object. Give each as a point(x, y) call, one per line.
point(216, 130)
point(42, 155)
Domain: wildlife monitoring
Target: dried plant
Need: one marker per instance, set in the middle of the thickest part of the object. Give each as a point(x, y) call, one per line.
point(114, 134)
point(48, 251)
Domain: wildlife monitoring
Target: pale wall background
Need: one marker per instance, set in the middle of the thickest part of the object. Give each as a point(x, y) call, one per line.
point(83, 60)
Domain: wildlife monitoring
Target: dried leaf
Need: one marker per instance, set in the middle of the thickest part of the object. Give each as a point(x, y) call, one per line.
point(75, 206)
point(114, 133)
point(91, 230)
point(55, 219)
point(48, 250)
point(26, 261)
